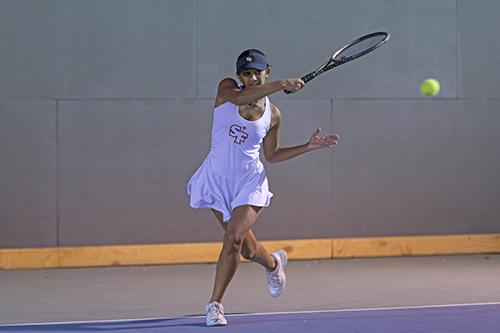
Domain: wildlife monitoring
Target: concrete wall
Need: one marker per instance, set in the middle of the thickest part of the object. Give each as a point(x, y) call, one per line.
point(105, 112)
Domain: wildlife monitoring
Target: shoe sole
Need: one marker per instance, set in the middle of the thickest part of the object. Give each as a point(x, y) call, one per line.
point(217, 324)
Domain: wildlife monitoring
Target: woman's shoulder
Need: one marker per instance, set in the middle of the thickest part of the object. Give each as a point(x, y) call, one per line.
point(225, 85)
point(228, 81)
point(275, 115)
point(274, 109)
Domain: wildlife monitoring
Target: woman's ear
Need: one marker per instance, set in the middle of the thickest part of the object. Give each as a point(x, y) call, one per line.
point(268, 71)
point(239, 81)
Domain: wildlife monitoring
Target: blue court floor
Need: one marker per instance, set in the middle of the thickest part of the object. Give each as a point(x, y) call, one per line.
point(467, 318)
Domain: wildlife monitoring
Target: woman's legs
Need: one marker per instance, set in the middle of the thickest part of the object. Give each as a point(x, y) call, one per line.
point(240, 240)
point(252, 249)
point(236, 232)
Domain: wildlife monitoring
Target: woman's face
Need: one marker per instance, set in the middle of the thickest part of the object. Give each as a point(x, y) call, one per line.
point(254, 77)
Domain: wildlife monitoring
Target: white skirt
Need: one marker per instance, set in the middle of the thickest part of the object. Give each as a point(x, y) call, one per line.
point(208, 189)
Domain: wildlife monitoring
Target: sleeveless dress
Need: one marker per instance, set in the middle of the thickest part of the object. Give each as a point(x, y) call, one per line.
point(232, 174)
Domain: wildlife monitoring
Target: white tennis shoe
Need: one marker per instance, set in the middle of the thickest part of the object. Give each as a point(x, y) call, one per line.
point(215, 314)
point(276, 280)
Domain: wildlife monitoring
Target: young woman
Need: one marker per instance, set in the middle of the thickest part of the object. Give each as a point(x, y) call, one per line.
point(232, 181)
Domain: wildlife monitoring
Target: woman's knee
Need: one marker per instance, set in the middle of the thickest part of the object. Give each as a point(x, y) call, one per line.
point(233, 241)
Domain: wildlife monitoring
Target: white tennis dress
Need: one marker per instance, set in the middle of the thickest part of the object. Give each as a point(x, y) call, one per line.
point(232, 174)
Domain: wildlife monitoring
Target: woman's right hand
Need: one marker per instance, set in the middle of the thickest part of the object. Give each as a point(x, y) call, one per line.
point(292, 85)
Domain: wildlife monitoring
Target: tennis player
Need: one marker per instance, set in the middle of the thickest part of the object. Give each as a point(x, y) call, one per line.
point(232, 181)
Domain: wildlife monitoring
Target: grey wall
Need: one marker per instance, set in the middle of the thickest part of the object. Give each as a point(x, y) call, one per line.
point(105, 112)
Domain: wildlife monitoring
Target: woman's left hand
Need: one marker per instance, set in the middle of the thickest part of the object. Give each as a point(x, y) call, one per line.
point(318, 141)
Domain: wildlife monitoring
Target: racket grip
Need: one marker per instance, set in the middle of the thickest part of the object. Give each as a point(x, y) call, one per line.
point(309, 77)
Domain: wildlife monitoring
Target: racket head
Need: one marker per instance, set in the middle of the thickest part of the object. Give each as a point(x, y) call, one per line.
point(352, 50)
point(355, 49)
point(361, 46)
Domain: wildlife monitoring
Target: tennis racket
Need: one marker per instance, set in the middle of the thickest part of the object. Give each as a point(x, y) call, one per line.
point(353, 50)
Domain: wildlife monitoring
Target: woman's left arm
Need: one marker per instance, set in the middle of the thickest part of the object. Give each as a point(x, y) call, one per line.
point(274, 153)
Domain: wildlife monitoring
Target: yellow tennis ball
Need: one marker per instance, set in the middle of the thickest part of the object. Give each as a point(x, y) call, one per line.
point(430, 87)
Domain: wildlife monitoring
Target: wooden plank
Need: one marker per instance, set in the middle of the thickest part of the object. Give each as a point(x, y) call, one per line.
point(415, 245)
point(29, 258)
point(151, 254)
point(156, 254)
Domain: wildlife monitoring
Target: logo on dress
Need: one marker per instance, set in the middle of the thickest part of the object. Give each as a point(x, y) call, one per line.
point(238, 133)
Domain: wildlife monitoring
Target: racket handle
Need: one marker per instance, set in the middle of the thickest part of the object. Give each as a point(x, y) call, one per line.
point(309, 77)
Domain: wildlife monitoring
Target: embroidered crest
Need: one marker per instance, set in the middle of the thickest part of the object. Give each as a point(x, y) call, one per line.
point(238, 133)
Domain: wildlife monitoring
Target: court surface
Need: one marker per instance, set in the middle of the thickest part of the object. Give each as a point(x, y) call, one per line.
point(484, 318)
point(413, 294)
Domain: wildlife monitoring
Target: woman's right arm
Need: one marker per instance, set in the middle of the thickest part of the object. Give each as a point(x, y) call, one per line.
point(229, 91)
